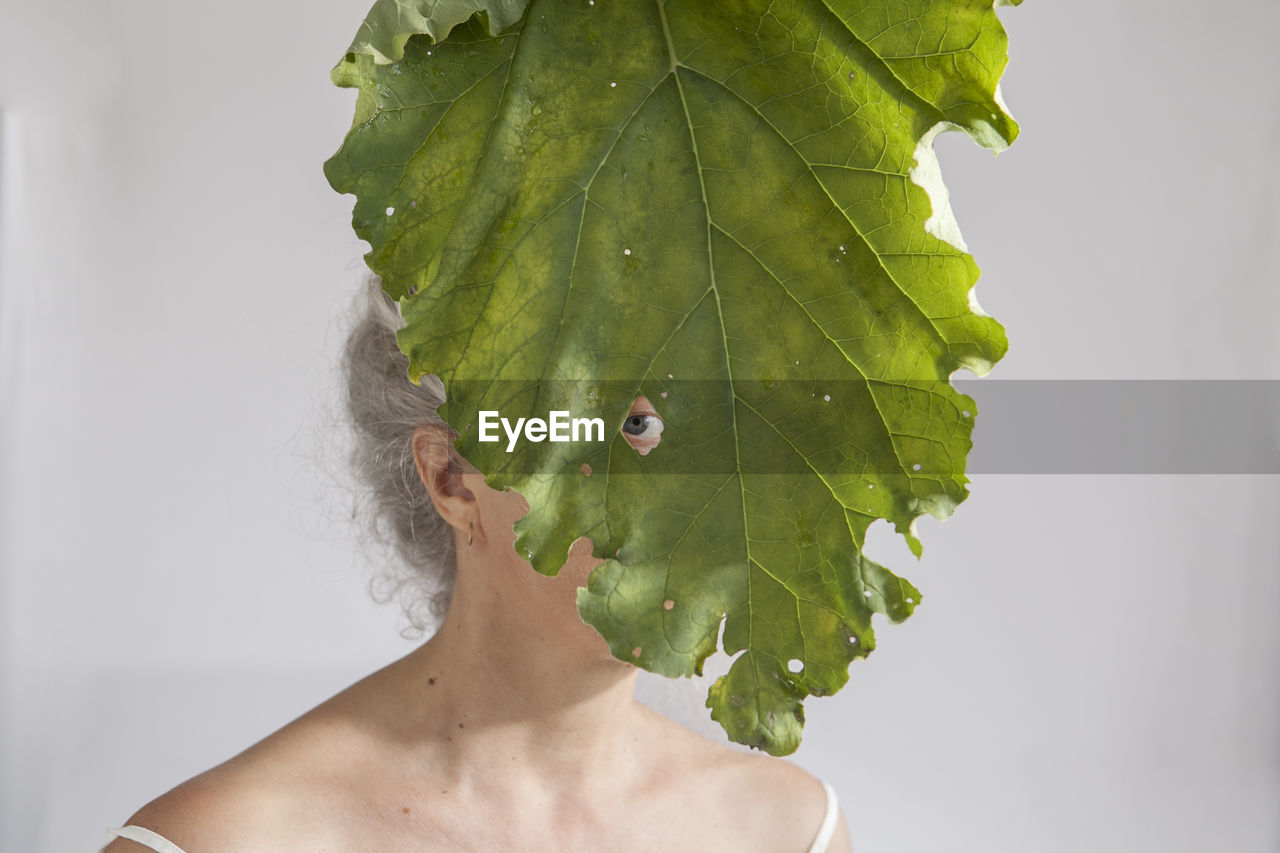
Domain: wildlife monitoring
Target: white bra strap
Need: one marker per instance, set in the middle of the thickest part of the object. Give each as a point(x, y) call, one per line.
point(828, 828)
point(142, 835)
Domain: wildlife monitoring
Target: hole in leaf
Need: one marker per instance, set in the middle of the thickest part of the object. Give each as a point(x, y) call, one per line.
point(643, 427)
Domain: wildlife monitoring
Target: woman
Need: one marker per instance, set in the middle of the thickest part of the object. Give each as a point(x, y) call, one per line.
point(512, 728)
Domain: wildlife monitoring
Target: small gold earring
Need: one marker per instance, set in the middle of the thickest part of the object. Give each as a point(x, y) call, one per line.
point(470, 531)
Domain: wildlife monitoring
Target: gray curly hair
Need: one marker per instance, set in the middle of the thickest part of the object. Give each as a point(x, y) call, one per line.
point(385, 408)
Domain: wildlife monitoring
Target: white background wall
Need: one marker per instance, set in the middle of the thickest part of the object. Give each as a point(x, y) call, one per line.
point(1096, 665)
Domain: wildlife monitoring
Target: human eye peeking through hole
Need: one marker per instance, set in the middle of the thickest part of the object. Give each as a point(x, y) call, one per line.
point(643, 426)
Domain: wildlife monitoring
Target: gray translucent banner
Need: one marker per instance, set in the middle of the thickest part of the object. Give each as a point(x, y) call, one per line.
point(1125, 426)
point(839, 427)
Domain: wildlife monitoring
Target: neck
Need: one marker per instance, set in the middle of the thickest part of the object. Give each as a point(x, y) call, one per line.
point(514, 676)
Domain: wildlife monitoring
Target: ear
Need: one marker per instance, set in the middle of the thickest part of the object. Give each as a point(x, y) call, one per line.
point(440, 466)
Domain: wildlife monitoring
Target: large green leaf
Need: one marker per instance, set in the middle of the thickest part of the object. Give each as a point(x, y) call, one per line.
point(733, 209)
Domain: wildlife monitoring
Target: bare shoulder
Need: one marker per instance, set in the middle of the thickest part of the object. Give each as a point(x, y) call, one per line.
point(272, 796)
point(793, 790)
point(217, 810)
point(785, 801)
point(293, 790)
point(764, 802)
